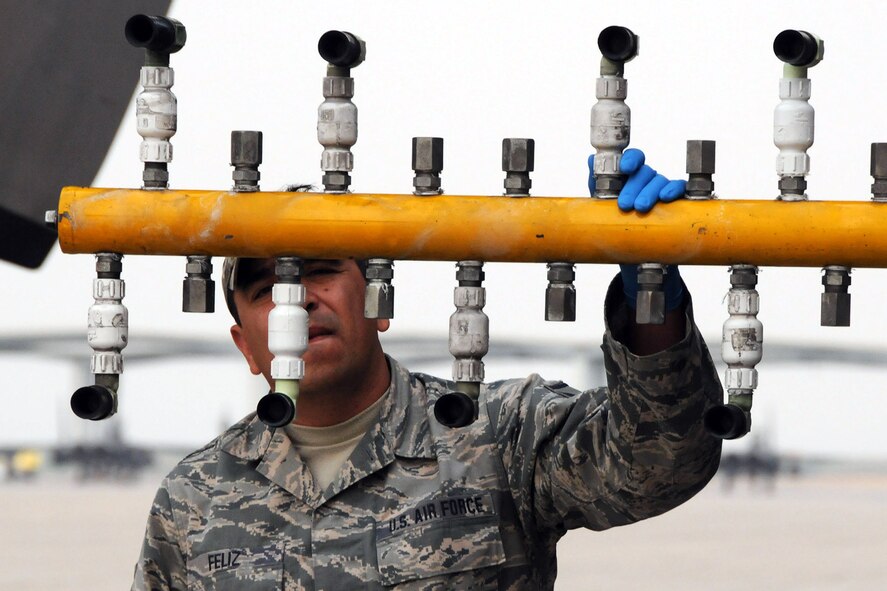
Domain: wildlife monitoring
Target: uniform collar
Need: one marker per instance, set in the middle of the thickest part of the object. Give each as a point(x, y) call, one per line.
point(406, 414)
point(402, 430)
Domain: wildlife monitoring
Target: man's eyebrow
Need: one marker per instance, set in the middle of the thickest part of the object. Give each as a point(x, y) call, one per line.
point(253, 272)
point(256, 271)
point(322, 262)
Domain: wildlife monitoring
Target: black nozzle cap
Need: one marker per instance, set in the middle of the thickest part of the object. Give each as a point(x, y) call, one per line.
point(341, 48)
point(276, 409)
point(797, 48)
point(93, 402)
point(618, 44)
point(726, 421)
point(155, 33)
point(454, 409)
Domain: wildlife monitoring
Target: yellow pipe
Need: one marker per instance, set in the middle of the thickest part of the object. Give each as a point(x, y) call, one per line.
point(450, 228)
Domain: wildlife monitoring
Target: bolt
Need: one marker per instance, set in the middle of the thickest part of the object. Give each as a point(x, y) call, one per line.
point(608, 186)
point(155, 176)
point(650, 307)
point(198, 288)
point(879, 171)
point(108, 265)
point(469, 273)
point(792, 188)
point(336, 182)
point(427, 162)
point(379, 302)
point(745, 276)
point(246, 156)
point(288, 269)
point(518, 155)
point(700, 167)
point(560, 295)
point(198, 295)
point(835, 300)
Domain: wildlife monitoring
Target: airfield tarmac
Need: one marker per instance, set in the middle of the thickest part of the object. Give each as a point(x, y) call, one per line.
point(822, 531)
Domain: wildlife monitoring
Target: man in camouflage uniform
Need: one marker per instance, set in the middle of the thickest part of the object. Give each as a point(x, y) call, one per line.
point(416, 505)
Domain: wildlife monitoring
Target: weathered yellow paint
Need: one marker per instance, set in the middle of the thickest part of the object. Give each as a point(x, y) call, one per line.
point(451, 228)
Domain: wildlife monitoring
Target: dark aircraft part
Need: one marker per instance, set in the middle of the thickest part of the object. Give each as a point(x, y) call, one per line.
point(65, 81)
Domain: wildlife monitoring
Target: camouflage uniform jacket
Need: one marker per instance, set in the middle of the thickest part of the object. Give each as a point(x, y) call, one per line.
point(421, 506)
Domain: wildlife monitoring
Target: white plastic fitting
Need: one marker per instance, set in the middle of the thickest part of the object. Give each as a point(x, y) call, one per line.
point(337, 124)
point(288, 331)
point(742, 339)
point(793, 127)
point(610, 124)
point(108, 326)
point(156, 113)
point(469, 334)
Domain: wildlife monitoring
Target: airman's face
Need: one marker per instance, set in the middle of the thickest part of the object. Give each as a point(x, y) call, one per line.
point(342, 344)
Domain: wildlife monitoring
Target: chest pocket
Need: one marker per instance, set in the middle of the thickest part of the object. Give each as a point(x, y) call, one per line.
point(257, 569)
point(446, 543)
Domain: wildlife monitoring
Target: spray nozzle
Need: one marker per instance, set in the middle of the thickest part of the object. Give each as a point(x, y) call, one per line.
point(618, 44)
point(798, 48)
point(160, 36)
point(342, 49)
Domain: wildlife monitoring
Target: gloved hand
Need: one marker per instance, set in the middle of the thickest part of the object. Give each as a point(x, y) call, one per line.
point(643, 188)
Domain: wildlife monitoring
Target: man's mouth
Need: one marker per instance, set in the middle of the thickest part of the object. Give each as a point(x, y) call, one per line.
point(318, 331)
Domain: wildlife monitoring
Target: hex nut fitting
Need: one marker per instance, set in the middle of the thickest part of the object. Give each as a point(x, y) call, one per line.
point(427, 154)
point(198, 295)
point(518, 154)
point(472, 272)
point(288, 269)
point(379, 302)
point(560, 302)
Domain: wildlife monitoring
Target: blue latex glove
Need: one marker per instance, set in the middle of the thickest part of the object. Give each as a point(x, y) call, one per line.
point(643, 188)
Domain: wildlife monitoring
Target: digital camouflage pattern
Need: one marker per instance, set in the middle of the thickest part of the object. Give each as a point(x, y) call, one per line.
point(421, 506)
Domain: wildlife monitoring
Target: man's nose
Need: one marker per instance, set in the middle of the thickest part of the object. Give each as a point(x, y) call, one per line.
point(310, 300)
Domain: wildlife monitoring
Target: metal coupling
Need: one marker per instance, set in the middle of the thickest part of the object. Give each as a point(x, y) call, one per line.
point(700, 168)
point(198, 287)
point(246, 156)
point(108, 335)
point(287, 341)
point(742, 348)
point(469, 338)
point(51, 219)
point(835, 303)
point(156, 122)
point(650, 307)
point(611, 116)
point(560, 295)
point(879, 172)
point(337, 115)
point(518, 155)
point(427, 163)
point(793, 118)
point(156, 111)
point(379, 302)
point(469, 341)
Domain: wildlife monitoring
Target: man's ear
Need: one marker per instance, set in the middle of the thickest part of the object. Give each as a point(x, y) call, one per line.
point(383, 324)
point(240, 342)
